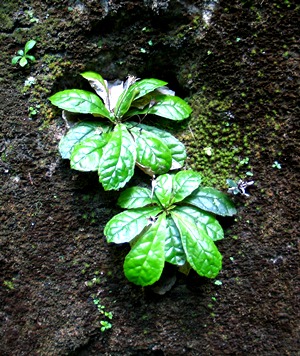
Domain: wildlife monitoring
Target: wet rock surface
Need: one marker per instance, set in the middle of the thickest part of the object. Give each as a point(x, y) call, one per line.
point(54, 260)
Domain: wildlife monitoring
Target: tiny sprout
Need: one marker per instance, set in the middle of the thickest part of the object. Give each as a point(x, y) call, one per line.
point(276, 165)
point(22, 56)
point(32, 111)
point(105, 325)
point(30, 15)
point(244, 161)
point(208, 151)
point(29, 82)
point(239, 187)
point(218, 282)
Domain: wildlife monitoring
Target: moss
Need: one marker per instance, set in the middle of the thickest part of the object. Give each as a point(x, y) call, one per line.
point(7, 9)
point(52, 67)
point(6, 22)
point(216, 144)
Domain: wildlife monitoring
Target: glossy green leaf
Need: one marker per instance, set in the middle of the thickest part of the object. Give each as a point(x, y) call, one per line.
point(151, 152)
point(87, 153)
point(145, 262)
point(201, 252)
point(212, 200)
point(127, 225)
point(99, 85)
point(204, 220)
point(148, 100)
point(136, 197)
point(211, 226)
point(184, 183)
point(77, 133)
point(163, 186)
point(118, 159)
point(146, 86)
point(80, 101)
point(124, 102)
point(16, 59)
point(32, 58)
point(29, 45)
point(23, 62)
point(191, 212)
point(174, 252)
point(176, 148)
point(170, 107)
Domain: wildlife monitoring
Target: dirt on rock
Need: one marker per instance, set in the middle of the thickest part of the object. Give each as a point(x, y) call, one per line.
point(54, 259)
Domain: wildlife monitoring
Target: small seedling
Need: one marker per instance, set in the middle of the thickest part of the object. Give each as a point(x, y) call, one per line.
point(29, 82)
point(92, 282)
point(244, 161)
point(30, 14)
point(276, 165)
point(174, 222)
point(218, 283)
point(22, 56)
point(33, 110)
point(239, 187)
point(208, 151)
point(9, 284)
point(105, 325)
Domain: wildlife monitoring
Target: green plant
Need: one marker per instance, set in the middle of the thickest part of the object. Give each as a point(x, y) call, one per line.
point(9, 284)
point(95, 280)
point(105, 325)
point(174, 222)
point(239, 187)
point(30, 15)
point(29, 81)
point(33, 110)
point(113, 148)
point(22, 56)
point(244, 161)
point(276, 164)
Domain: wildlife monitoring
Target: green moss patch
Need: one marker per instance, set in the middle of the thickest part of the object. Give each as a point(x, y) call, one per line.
point(217, 145)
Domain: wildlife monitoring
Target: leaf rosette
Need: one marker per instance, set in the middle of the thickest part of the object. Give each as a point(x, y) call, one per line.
point(173, 222)
point(115, 146)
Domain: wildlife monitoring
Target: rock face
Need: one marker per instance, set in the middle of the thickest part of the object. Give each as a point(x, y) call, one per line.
point(143, 38)
point(237, 64)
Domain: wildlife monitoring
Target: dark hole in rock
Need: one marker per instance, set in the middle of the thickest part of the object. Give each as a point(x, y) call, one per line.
point(138, 41)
